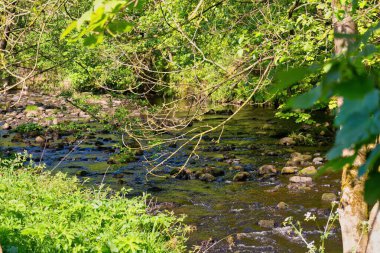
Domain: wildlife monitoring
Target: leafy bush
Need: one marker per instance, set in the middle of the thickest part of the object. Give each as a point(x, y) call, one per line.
point(41, 212)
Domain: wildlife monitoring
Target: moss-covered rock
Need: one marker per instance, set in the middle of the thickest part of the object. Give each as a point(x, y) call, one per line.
point(241, 176)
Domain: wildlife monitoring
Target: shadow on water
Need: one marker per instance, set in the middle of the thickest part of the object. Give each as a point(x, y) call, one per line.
point(222, 207)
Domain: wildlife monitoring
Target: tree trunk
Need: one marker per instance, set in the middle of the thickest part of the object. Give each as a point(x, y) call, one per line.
point(374, 233)
point(360, 233)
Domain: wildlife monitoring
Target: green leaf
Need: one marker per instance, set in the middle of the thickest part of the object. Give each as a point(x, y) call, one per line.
point(368, 105)
point(85, 17)
point(372, 162)
point(372, 188)
point(354, 88)
point(286, 78)
point(120, 26)
point(305, 100)
point(68, 30)
point(93, 39)
point(337, 164)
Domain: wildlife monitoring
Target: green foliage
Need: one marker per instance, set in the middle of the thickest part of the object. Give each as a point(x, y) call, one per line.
point(30, 108)
point(298, 229)
point(70, 127)
point(101, 19)
point(353, 76)
point(28, 127)
point(46, 213)
point(297, 115)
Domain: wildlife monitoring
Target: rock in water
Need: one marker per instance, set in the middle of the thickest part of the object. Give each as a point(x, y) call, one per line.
point(287, 141)
point(289, 170)
point(282, 205)
point(40, 139)
point(6, 126)
point(318, 160)
point(266, 223)
point(267, 170)
point(308, 171)
point(329, 197)
point(207, 177)
point(241, 176)
point(301, 180)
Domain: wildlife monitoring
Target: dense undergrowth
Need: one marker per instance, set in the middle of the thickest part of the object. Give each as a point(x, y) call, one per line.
point(41, 212)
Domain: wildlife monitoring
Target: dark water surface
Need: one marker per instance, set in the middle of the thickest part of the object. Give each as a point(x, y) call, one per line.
point(219, 208)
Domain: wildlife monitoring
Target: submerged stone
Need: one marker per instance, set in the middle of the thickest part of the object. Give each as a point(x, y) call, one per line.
point(308, 171)
point(266, 223)
point(282, 205)
point(241, 176)
point(267, 170)
point(329, 197)
point(216, 172)
point(40, 139)
point(82, 173)
point(287, 141)
point(289, 170)
point(301, 180)
point(6, 126)
point(207, 177)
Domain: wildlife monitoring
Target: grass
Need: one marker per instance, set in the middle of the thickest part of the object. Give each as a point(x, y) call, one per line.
point(41, 212)
point(28, 127)
point(31, 108)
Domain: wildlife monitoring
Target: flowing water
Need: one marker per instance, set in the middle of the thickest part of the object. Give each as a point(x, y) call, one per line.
point(220, 208)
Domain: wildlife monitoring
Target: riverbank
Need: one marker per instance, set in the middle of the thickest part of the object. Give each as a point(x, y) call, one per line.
point(265, 155)
point(45, 213)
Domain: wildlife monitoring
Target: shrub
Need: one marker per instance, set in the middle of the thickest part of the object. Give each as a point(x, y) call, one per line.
point(41, 212)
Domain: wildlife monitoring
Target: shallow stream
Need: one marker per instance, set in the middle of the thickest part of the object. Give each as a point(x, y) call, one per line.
point(220, 208)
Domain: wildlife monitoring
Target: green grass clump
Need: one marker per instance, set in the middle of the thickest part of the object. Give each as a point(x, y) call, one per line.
point(41, 212)
point(31, 108)
point(28, 127)
point(70, 127)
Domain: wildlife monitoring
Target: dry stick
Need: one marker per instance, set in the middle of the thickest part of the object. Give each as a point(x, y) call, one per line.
point(189, 156)
point(43, 151)
point(104, 176)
